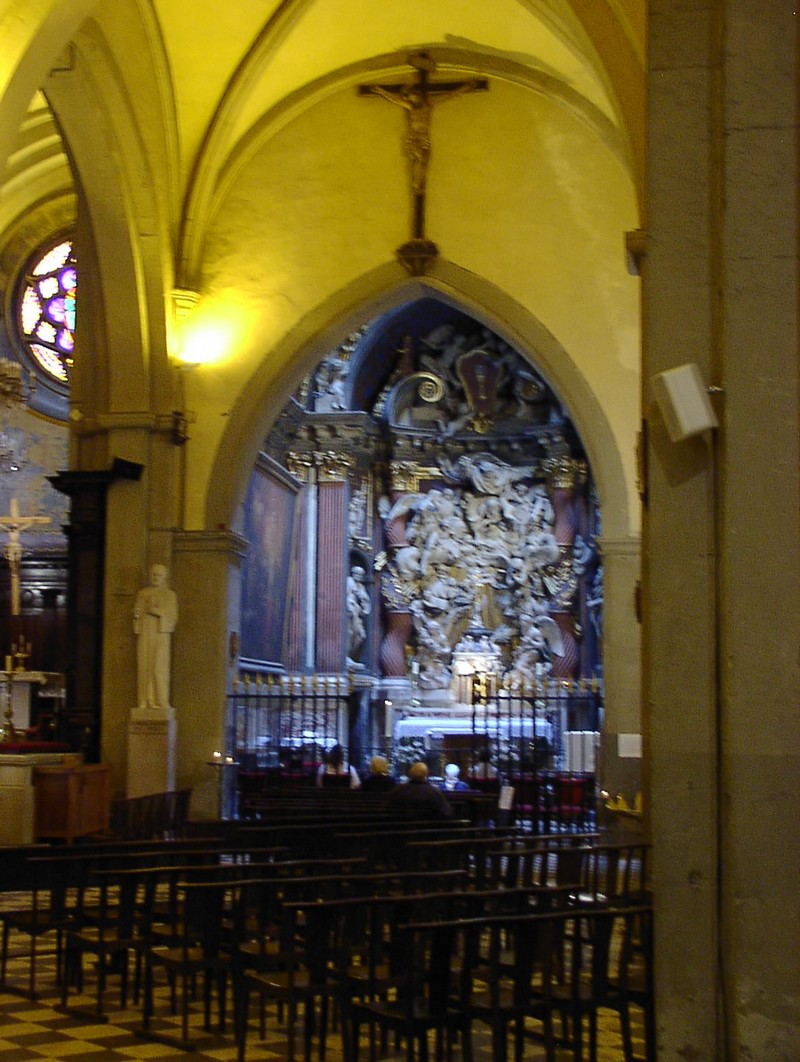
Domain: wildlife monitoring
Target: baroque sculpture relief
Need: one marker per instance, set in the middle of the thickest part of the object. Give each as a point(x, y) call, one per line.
point(478, 562)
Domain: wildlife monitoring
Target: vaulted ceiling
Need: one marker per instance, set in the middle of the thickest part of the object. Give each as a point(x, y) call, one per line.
point(252, 65)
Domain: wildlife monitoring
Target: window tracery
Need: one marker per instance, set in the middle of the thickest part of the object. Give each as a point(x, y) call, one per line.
point(46, 310)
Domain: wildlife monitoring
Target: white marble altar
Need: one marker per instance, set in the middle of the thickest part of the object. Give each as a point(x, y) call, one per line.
point(21, 684)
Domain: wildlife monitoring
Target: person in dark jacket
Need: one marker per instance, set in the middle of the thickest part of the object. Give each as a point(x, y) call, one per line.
point(378, 780)
point(418, 797)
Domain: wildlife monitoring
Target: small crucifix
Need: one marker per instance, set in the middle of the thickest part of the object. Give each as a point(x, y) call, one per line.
point(418, 101)
point(14, 524)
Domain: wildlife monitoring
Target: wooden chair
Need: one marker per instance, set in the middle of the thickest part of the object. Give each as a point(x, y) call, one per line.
point(435, 960)
point(593, 973)
point(198, 952)
point(48, 913)
point(514, 951)
point(104, 929)
point(291, 968)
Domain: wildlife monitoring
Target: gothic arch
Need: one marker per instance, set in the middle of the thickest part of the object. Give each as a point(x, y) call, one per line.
point(123, 214)
point(261, 401)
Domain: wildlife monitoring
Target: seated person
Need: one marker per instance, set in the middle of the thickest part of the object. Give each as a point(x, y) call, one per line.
point(419, 798)
point(452, 783)
point(484, 767)
point(335, 772)
point(378, 780)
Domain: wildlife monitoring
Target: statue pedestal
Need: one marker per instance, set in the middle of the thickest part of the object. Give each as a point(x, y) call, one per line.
point(152, 736)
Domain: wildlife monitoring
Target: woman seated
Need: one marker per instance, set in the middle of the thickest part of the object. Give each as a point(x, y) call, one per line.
point(484, 768)
point(334, 772)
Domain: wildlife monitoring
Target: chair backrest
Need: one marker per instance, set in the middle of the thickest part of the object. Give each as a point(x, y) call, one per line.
point(438, 960)
point(202, 906)
point(336, 781)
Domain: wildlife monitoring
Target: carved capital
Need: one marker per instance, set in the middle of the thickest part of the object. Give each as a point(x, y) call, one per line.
point(300, 465)
point(403, 476)
point(561, 471)
point(333, 467)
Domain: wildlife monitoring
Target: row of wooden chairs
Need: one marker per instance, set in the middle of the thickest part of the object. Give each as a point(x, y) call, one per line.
point(468, 958)
point(264, 922)
point(163, 816)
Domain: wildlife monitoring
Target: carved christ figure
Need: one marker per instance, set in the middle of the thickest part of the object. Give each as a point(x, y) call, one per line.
point(418, 105)
point(13, 525)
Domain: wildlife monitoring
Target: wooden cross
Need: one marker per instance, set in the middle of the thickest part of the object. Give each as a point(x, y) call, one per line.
point(418, 100)
point(14, 524)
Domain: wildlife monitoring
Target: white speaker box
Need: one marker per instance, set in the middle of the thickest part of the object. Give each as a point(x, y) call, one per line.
point(683, 400)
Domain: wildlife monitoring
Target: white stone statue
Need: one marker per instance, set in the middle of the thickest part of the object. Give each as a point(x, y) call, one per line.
point(359, 607)
point(155, 616)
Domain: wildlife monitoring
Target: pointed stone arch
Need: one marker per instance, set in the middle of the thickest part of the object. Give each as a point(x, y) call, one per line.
point(319, 332)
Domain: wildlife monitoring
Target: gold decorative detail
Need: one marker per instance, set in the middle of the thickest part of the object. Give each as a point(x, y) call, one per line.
point(403, 475)
point(431, 387)
point(12, 388)
point(300, 465)
point(333, 467)
point(561, 472)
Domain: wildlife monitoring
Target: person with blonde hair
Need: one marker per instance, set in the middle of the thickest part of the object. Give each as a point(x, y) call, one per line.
point(418, 798)
point(379, 780)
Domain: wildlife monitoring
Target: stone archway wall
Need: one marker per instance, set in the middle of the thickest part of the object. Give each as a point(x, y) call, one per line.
point(621, 630)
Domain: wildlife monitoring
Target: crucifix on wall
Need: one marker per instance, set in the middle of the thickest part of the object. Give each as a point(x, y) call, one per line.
point(418, 100)
point(14, 525)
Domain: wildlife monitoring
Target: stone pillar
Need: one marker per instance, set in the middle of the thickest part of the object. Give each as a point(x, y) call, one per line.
point(332, 512)
point(620, 760)
point(207, 579)
point(721, 548)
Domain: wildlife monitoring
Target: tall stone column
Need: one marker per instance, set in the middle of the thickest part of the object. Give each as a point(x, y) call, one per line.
point(721, 545)
point(620, 757)
point(207, 579)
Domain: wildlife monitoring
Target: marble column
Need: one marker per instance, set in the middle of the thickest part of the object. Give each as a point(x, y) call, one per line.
point(302, 598)
point(564, 582)
point(332, 515)
point(398, 623)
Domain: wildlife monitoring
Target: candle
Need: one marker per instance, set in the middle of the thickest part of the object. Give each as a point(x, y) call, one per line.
point(216, 755)
point(9, 662)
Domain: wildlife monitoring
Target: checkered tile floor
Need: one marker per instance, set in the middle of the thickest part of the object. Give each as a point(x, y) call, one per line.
point(37, 1029)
